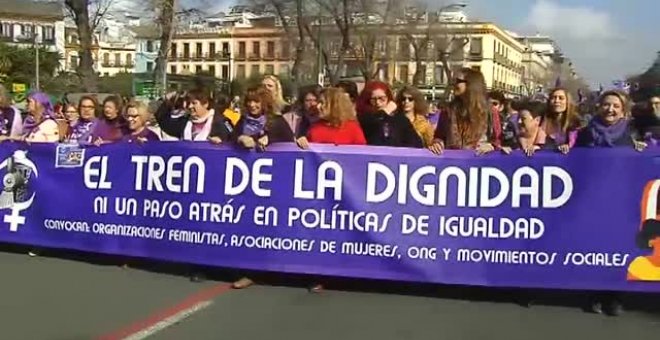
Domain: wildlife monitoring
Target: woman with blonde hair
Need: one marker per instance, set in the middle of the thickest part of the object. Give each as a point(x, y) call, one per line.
point(11, 122)
point(274, 86)
point(337, 122)
point(138, 117)
point(612, 125)
point(413, 105)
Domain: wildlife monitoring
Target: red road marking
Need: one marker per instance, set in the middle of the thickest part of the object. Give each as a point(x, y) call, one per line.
point(196, 299)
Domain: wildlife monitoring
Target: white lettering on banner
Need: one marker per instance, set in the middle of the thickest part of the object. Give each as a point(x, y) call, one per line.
point(323, 181)
point(337, 219)
point(369, 249)
point(96, 177)
point(196, 237)
point(70, 226)
point(502, 228)
point(422, 253)
point(217, 213)
point(159, 209)
point(521, 257)
point(254, 179)
point(475, 188)
point(596, 259)
point(176, 180)
point(271, 243)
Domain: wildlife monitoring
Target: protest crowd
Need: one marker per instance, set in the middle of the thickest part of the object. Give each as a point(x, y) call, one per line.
point(474, 119)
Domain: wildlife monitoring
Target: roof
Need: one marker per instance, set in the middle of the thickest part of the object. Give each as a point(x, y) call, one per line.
point(145, 31)
point(32, 9)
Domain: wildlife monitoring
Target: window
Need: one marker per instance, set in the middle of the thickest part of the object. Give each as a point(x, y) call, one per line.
point(475, 46)
point(73, 63)
point(150, 46)
point(225, 48)
point(270, 69)
point(476, 68)
point(198, 50)
point(240, 72)
point(173, 51)
point(117, 59)
point(129, 60)
point(284, 70)
point(150, 66)
point(212, 70)
point(403, 73)
point(106, 58)
point(270, 49)
point(404, 48)
point(7, 30)
point(225, 72)
point(241, 49)
point(173, 69)
point(254, 70)
point(198, 68)
point(256, 49)
point(48, 33)
point(286, 48)
point(212, 50)
point(186, 50)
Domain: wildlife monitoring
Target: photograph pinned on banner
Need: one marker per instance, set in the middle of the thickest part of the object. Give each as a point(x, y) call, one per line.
point(69, 156)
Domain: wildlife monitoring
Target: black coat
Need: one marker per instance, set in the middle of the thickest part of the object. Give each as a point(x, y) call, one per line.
point(276, 128)
point(395, 130)
point(176, 125)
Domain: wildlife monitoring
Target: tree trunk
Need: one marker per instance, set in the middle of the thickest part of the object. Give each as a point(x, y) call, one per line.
point(80, 11)
point(166, 22)
point(300, 47)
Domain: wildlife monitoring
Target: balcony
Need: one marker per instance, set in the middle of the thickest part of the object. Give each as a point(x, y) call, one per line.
point(240, 56)
point(108, 64)
point(269, 57)
point(172, 57)
point(254, 57)
point(184, 57)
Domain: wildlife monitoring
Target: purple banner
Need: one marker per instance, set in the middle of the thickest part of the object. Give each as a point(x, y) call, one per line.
point(587, 220)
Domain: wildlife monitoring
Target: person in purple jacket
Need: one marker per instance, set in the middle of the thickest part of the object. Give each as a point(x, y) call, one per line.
point(138, 116)
point(111, 126)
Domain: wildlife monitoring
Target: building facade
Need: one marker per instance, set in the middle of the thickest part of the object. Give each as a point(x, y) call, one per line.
point(196, 50)
point(24, 23)
point(147, 45)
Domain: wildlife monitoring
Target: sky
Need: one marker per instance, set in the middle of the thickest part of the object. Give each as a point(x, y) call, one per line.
point(607, 40)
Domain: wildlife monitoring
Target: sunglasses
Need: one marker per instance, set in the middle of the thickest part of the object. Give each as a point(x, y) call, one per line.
point(460, 81)
point(407, 99)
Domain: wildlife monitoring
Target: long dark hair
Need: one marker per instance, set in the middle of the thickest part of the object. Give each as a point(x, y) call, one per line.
point(472, 105)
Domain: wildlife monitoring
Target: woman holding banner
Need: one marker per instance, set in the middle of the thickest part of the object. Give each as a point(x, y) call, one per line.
point(304, 113)
point(611, 126)
point(81, 132)
point(11, 122)
point(260, 124)
point(562, 121)
point(200, 122)
point(413, 105)
point(138, 116)
point(380, 120)
point(40, 125)
point(111, 126)
point(337, 124)
point(469, 122)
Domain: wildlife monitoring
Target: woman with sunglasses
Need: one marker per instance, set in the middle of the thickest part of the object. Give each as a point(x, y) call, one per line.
point(469, 123)
point(381, 122)
point(413, 105)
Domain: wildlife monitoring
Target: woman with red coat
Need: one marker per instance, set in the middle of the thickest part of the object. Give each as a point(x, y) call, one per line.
point(337, 123)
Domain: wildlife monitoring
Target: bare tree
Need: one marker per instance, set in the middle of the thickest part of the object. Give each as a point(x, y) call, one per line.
point(165, 11)
point(292, 16)
point(87, 14)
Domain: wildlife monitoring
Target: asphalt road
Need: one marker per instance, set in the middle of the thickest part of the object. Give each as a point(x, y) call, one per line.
point(80, 297)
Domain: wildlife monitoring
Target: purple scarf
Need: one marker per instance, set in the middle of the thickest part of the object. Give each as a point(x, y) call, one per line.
point(254, 127)
point(81, 132)
point(606, 135)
